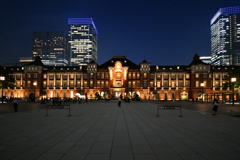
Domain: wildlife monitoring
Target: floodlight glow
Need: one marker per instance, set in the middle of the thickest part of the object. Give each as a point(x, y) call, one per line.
point(82, 21)
point(227, 10)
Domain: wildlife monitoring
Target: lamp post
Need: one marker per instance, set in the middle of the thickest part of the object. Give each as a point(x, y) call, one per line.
point(202, 84)
point(233, 79)
point(2, 78)
point(34, 84)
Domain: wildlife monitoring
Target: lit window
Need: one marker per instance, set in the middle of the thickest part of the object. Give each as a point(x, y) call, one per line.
point(145, 75)
point(217, 84)
point(158, 84)
point(129, 84)
point(173, 84)
point(151, 84)
point(44, 84)
point(205, 83)
point(129, 75)
point(197, 84)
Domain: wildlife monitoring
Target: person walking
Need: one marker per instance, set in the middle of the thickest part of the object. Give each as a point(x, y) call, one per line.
point(42, 101)
point(15, 104)
point(215, 107)
point(119, 101)
point(79, 100)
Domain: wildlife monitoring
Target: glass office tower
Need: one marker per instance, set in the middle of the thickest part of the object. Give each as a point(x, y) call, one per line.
point(51, 47)
point(82, 39)
point(225, 37)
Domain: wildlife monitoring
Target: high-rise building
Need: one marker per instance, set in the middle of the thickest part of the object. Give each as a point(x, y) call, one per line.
point(50, 47)
point(225, 37)
point(82, 39)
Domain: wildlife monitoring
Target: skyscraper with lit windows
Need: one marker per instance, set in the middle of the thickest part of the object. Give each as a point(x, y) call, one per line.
point(225, 37)
point(82, 40)
point(50, 47)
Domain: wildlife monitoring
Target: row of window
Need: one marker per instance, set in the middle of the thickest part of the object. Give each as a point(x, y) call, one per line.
point(172, 84)
point(205, 75)
point(105, 84)
point(167, 76)
point(104, 75)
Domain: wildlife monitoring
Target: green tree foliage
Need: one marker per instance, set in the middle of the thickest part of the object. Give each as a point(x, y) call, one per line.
point(9, 80)
point(97, 96)
point(136, 97)
point(235, 73)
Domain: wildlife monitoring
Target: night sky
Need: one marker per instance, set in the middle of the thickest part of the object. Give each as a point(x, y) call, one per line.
point(165, 32)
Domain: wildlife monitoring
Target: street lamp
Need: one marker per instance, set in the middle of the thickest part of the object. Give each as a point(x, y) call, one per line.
point(202, 84)
point(34, 84)
point(233, 79)
point(2, 78)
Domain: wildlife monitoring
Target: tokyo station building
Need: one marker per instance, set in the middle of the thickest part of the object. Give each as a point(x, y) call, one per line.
point(120, 76)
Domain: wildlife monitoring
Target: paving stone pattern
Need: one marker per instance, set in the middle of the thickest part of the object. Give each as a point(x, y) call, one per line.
point(104, 131)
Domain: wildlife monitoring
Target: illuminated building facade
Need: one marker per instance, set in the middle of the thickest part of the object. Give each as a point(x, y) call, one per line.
point(51, 47)
point(225, 37)
point(82, 39)
point(120, 76)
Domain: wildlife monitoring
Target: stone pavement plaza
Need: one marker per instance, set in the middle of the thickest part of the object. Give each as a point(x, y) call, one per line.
point(103, 131)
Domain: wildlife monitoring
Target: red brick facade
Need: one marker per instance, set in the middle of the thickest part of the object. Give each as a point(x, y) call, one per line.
point(120, 76)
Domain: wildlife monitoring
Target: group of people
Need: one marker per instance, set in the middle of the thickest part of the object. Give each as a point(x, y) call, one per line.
point(58, 102)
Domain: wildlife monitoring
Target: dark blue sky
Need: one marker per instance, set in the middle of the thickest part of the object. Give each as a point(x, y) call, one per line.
point(166, 32)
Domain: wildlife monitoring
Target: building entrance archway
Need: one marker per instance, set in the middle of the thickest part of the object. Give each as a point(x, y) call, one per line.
point(184, 96)
point(117, 94)
point(32, 97)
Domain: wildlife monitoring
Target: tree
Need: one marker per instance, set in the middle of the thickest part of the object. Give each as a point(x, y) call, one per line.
point(136, 97)
point(9, 80)
point(97, 96)
point(236, 85)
